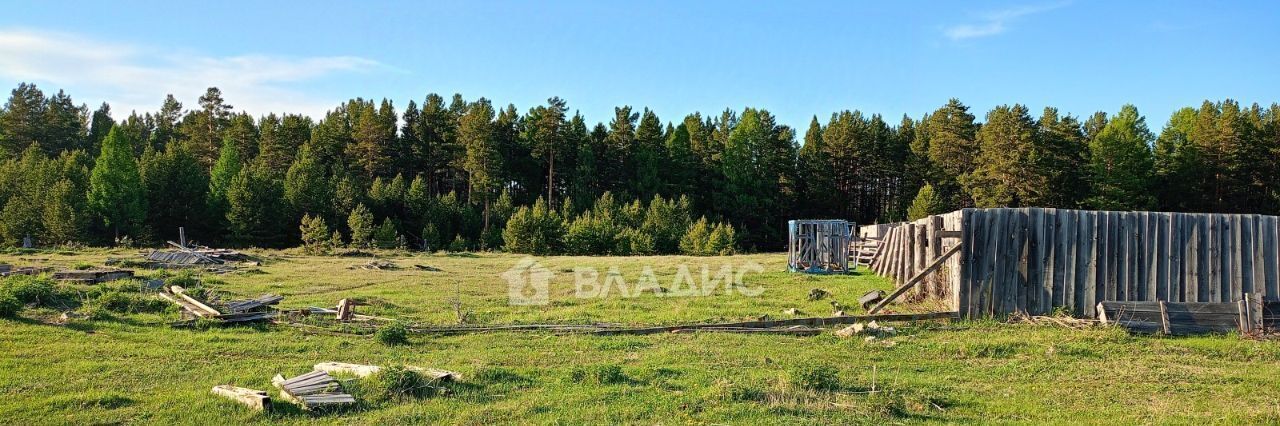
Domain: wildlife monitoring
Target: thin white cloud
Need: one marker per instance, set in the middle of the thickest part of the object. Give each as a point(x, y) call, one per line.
point(997, 22)
point(136, 78)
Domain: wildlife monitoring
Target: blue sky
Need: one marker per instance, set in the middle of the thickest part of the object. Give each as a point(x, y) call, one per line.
point(796, 59)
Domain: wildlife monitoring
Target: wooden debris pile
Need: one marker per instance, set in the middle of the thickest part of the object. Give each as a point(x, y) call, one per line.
point(376, 265)
point(7, 270)
point(258, 309)
point(215, 260)
point(313, 390)
point(93, 276)
point(427, 268)
point(1248, 315)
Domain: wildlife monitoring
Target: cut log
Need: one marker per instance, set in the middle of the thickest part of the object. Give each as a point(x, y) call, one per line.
point(254, 399)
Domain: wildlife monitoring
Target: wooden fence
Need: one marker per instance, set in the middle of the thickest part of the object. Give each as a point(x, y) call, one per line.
point(1037, 260)
point(907, 248)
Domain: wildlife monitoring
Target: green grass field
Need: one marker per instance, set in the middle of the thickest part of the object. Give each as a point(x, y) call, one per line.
point(134, 368)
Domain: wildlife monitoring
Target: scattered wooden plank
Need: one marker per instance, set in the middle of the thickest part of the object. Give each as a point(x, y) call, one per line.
point(363, 370)
point(200, 306)
point(312, 390)
point(254, 399)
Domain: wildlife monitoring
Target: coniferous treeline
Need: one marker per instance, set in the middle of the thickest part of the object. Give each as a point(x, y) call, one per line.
point(468, 174)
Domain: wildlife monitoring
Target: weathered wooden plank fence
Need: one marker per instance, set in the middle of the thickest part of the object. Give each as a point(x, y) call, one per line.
point(907, 248)
point(1036, 260)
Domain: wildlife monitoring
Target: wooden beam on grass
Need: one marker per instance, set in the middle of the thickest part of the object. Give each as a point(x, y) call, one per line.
point(937, 263)
point(254, 399)
point(182, 293)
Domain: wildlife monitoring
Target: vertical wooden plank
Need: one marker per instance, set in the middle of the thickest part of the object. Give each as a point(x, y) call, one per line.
point(1106, 288)
point(1124, 257)
point(1160, 259)
point(1216, 260)
point(995, 235)
point(1089, 232)
point(1058, 256)
point(1193, 230)
point(1033, 263)
point(1270, 256)
point(1015, 297)
point(1070, 246)
point(1203, 269)
point(1244, 255)
point(1258, 281)
point(1141, 254)
point(1052, 283)
point(1151, 250)
point(1177, 246)
point(965, 268)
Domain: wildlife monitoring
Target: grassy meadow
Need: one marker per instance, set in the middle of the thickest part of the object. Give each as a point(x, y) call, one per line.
point(132, 367)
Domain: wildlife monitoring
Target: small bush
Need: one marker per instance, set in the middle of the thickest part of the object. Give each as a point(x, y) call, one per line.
point(396, 333)
point(815, 377)
point(125, 303)
point(184, 279)
point(29, 288)
point(9, 305)
point(396, 383)
point(606, 374)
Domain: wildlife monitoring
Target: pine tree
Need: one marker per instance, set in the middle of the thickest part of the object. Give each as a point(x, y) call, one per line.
point(1061, 156)
point(953, 145)
point(22, 119)
point(316, 237)
point(100, 125)
point(65, 125)
point(228, 166)
point(174, 182)
point(548, 139)
point(926, 203)
point(115, 188)
point(483, 162)
point(204, 128)
point(385, 236)
point(360, 222)
point(306, 188)
point(254, 211)
point(1121, 163)
point(648, 154)
point(1004, 172)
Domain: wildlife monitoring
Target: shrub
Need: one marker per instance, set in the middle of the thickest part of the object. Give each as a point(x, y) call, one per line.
point(9, 305)
point(539, 230)
point(29, 288)
point(694, 241)
point(386, 236)
point(361, 224)
point(396, 383)
point(459, 244)
point(821, 377)
point(927, 202)
point(122, 302)
point(605, 374)
point(315, 235)
point(396, 333)
point(721, 240)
